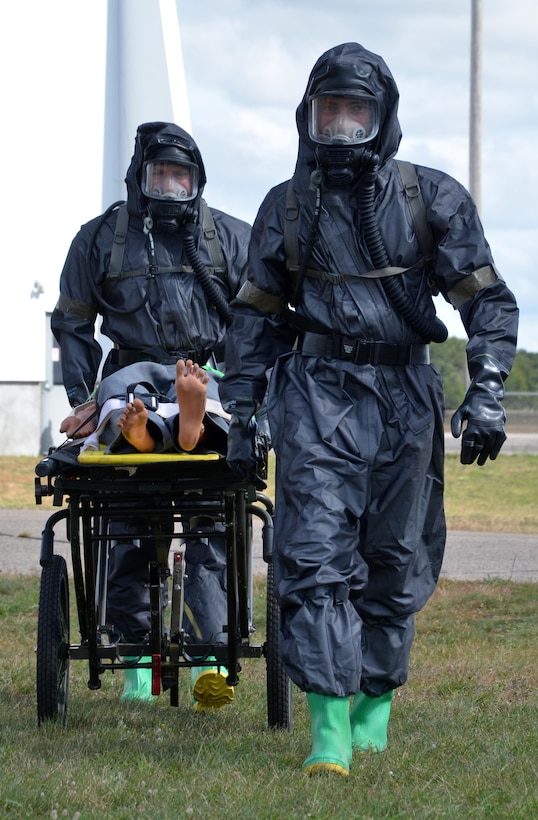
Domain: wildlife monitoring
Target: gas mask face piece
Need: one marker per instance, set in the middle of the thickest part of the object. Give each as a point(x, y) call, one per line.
point(342, 126)
point(343, 121)
point(170, 183)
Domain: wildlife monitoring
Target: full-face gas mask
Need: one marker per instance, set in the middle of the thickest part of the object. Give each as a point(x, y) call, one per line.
point(170, 182)
point(343, 120)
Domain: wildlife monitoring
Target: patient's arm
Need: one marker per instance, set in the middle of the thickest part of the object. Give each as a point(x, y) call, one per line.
point(83, 415)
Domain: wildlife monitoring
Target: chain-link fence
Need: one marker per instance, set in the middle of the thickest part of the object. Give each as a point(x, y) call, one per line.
point(521, 411)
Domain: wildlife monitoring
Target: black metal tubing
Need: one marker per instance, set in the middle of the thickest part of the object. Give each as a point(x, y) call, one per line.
point(99, 496)
point(47, 539)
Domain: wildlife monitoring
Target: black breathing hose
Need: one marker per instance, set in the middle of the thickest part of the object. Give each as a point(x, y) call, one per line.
point(432, 330)
point(212, 292)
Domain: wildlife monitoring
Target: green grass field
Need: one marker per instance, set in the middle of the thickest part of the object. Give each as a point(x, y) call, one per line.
point(462, 741)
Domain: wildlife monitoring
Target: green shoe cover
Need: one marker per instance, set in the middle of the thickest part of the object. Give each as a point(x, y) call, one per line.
point(369, 721)
point(331, 735)
point(137, 682)
point(209, 688)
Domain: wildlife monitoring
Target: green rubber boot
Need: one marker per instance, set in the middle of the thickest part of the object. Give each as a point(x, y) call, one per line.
point(331, 735)
point(137, 682)
point(369, 721)
point(209, 688)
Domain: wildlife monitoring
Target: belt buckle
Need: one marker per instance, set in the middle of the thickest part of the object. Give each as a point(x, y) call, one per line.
point(348, 349)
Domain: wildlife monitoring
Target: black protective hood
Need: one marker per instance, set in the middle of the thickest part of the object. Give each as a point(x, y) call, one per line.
point(148, 135)
point(375, 76)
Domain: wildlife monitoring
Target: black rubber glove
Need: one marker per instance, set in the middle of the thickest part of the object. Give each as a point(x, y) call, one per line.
point(484, 434)
point(241, 456)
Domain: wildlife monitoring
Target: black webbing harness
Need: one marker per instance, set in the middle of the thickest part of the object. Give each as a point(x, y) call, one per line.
point(418, 213)
point(311, 340)
point(115, 272)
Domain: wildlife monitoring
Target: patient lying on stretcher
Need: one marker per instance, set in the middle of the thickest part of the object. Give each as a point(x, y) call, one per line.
point(156, 408)
point(191, 389)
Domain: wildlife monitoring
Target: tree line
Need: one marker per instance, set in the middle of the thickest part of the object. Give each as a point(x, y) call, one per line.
point(451, 361)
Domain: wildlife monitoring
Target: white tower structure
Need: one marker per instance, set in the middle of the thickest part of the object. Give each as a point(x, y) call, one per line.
point(145, 81)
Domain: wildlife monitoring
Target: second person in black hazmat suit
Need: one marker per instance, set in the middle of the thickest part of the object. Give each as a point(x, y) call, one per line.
point(355, 409)
point(161, 280)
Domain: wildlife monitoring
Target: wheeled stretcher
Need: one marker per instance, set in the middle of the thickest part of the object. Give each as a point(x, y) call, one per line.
point(96, 492)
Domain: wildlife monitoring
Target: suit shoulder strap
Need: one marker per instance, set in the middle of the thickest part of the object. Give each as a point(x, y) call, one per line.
point(212, 240)
point(114, 271)
point(118, 249)
point(291, 229)
point(417, 207)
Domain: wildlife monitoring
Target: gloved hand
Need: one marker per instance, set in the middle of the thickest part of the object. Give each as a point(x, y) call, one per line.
point(482, 410)
point(241, 456)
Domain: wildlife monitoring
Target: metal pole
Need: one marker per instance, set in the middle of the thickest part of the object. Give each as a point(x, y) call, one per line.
point(475, 119)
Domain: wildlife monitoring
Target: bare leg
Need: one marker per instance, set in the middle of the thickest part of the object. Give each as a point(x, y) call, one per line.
point(133, 425)
point(191, 389)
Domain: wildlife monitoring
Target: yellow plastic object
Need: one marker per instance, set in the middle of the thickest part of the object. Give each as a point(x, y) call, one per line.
point(100, 458)
point(209, 688)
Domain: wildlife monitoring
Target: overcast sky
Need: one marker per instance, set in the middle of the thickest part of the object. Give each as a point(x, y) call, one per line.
point(246, 65)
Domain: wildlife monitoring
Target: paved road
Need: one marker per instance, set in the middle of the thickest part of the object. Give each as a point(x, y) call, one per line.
point(469, 555)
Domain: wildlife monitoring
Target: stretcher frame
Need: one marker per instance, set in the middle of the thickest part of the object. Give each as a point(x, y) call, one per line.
point(100, 489)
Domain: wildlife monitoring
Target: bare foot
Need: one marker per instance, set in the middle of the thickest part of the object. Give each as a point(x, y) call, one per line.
point(191, 389)
point(133, 423)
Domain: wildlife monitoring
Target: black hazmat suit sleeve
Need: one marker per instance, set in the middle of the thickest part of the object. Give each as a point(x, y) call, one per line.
point(259, 334)
point(73, 323)
point(465, 273)
point(463, 269)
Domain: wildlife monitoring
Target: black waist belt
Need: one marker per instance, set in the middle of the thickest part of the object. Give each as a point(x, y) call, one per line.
point(357, 351)
point(123, 357)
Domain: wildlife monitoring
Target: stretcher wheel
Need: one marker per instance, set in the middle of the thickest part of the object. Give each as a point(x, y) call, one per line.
point(52, 652)
point(279, 685)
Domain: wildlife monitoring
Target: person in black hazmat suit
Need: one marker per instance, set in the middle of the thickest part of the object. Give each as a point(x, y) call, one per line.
point(160, 273)
point(355, 410)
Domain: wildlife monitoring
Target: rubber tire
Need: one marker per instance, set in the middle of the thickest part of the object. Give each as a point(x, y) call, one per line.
point(279, 685)
point(52, 652)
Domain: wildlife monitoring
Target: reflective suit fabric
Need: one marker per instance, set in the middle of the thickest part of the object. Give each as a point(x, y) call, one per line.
point(175, 319)
point(359, 529)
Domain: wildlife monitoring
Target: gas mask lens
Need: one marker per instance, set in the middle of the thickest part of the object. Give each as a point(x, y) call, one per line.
point(343, 120)
point(169, 181)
